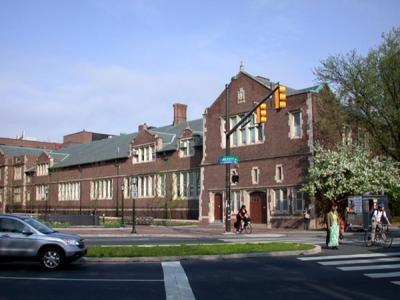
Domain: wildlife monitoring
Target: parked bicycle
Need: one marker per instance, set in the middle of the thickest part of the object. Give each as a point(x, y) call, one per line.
point(383, 237)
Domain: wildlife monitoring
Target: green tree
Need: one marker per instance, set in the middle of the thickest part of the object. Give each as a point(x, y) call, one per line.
point(372, 82)
point(350, 170)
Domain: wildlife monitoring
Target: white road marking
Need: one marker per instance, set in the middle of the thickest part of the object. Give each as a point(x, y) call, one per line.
point(177, 285)
point(396, 282)
point(81, 279)
point(376, 267)
point(383, 275)
point(328, 257)
point(358, 261)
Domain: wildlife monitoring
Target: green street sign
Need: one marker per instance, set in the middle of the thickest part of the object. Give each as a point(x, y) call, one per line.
point(228, 160)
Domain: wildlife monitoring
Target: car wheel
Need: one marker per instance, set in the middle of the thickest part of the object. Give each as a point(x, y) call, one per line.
point(52, 258)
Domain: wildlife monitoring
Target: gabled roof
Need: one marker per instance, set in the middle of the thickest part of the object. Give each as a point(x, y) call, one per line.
point(118, 147)
point(289, 91)
point(11, 151)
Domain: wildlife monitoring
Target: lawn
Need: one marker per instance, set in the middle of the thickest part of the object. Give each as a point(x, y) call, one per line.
point(189, 250)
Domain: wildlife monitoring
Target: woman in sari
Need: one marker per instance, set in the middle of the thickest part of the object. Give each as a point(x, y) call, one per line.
point(333, 227)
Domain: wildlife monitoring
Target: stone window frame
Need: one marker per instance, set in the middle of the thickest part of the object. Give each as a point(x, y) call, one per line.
point(188, 150)
point(241, 95)
point(137, 157)
point(291, 119)
point(255, 175)
point(280, 211)
point(282, 177)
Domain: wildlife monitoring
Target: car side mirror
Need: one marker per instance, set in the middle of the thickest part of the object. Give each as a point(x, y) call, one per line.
point(26, 231)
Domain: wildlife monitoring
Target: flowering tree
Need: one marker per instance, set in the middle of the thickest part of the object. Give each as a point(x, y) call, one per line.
point(350, 170)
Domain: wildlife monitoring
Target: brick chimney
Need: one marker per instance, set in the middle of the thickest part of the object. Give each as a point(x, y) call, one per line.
point(142, 127)
point(179, 113)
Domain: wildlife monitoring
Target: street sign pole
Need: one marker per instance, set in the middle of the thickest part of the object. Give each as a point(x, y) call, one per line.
point(134, 196)
point(228, 133)
point(227, 166)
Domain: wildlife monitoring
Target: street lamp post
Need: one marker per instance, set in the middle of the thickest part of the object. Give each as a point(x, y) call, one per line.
point(122, 205)
point(134, 195)
point(46, 209)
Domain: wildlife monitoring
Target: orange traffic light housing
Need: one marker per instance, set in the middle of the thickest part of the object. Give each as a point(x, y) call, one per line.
point(280, 97)
point(262, 113)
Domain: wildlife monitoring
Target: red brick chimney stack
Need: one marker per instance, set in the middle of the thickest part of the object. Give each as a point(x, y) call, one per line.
point(179, 113)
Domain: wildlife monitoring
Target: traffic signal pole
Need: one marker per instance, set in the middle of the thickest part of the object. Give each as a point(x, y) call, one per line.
point(228, 133)
point(227, 166)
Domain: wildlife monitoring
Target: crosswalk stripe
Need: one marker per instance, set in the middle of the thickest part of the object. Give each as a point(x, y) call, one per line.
point(376, 267)
point(383, 275)
point(358, 261)
point(329, 257)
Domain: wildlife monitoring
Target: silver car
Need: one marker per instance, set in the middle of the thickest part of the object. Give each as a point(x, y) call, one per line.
point(24, 238)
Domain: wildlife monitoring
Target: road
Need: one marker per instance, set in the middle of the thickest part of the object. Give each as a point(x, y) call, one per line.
point(254, 278)
point(352, 272)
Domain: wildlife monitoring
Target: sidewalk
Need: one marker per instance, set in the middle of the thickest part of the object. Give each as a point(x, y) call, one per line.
point(194, 231)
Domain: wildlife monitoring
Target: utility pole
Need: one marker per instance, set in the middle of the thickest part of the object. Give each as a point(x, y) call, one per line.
point(227, 166)
point(280, 102)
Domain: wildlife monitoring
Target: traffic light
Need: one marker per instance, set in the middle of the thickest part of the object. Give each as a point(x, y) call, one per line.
point(280, 97)
point(262, 113)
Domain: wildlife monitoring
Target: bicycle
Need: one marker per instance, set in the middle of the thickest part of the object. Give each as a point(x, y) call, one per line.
point(383, 237)
point(247, 228)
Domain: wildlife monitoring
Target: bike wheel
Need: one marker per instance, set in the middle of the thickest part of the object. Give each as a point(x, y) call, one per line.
point(248, 229)
point(367, 238)
point(388, 240)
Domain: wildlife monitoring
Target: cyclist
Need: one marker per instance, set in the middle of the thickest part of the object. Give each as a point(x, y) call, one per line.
point(241, 218)
point(376, 221)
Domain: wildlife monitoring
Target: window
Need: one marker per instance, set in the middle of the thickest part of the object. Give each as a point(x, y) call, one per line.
point(281, 204)
point(278, 173)
point(250, 133)
point(1, 194)
point(299, 201)
point(144, 154)
point(234, 173)
point(41, 192)
point(17, 173)
point(241, 96)
point(236, 201)
point(42, 169)
point(17, 194)
point(101, 189)
point(161, 185)
point(347, 135)
point(10, 225)
point(295, 125)
point(255, 175)
point(69, 191)
point(186, 147)
point(127, 187)
point(146, 186)
point(187, 184)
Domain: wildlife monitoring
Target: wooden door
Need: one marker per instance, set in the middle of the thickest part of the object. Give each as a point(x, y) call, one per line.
point(258, 207)
point(218, 207)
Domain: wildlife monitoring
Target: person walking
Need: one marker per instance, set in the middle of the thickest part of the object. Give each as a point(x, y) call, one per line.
point(306, 218)
point(333, 220)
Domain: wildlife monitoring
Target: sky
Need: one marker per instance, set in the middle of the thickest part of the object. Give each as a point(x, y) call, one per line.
point(109, 65)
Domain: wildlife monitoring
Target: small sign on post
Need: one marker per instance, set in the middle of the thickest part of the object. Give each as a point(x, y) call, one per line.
point(228, 160)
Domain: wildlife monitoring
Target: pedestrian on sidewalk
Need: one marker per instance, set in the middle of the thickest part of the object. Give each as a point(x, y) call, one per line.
point(306, 217)
point(333, 222)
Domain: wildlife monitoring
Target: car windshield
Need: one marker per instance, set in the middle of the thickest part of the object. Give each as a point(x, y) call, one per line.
point(38, 226)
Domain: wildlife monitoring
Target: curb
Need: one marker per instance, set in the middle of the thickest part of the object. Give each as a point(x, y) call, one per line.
point(317, 249)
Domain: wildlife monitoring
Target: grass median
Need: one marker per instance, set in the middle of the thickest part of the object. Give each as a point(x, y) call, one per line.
point(190, 250)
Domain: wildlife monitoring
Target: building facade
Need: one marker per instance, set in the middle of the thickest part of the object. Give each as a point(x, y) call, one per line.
point(175, 166)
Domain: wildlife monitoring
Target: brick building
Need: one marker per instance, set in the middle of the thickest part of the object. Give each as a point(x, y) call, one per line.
point(175, 166)
point(274, 157)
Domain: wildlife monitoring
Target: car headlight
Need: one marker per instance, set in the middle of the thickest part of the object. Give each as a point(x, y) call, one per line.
point(71, 242)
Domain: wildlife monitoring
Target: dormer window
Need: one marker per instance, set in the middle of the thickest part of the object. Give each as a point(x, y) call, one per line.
point(145, 153)
point(241, 96)
point(186, 147)
point(42, 169)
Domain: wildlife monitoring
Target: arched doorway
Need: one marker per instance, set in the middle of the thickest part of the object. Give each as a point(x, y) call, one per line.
point(218, 207)
point(258, 207)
